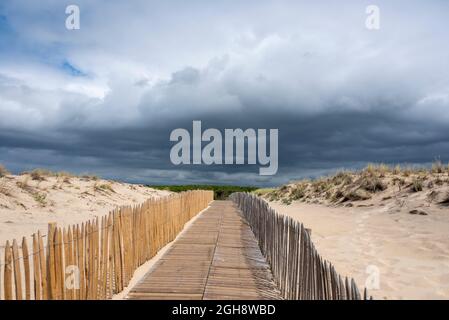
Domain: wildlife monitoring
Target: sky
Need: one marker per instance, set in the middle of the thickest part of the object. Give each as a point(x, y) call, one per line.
point(103, 99)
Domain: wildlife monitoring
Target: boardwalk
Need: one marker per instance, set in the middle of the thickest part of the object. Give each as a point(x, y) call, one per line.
point(217, 257)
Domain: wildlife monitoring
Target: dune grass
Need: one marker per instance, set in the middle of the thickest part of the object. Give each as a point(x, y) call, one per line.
point(3, 171)
point(362, 184)
point(263, 191)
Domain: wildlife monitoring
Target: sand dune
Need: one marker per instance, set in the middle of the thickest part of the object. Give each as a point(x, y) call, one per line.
point(394, 221)
point(28, 202)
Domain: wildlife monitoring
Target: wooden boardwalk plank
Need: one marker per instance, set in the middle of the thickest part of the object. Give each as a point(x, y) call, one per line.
point(217, 257)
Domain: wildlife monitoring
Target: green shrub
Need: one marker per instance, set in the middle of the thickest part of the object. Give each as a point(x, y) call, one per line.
point(298, 193)
point(40, 198)
point(417, 185)
point(220, 192)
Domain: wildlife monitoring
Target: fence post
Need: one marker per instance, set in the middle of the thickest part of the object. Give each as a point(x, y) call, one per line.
point(43, 267)
point(51, 261)
point(8, 272)
point(298, 269)
point(36, 268)
point(106, 253)
point(17, 272)
point(26, 264)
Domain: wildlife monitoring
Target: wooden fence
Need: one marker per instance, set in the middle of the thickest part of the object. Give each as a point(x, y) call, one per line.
point(95, 259)
point(299, 271)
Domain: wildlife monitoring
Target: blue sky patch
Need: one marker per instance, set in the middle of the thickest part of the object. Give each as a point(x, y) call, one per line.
point(72, 70)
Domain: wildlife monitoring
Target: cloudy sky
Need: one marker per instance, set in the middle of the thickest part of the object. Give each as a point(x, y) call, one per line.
point(104, 99)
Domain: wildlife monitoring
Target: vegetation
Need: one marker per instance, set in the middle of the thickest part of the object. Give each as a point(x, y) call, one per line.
point(417, 185)
point(437, 167)
point(66, 179)
point(103, 187)
point(263, 191)
point(40, 198)
point(24, 183)
point(3, 171)
point(90, 177)
point(362, 184)
point(220, 192)
point(40, 174)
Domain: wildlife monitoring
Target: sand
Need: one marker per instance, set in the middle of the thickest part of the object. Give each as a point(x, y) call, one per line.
point(28, 205)
point(410, 251)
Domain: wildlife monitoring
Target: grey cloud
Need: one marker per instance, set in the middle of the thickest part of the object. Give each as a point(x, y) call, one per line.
point(339, 95)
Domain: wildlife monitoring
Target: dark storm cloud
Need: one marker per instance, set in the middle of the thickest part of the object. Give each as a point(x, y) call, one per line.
point(341, 96)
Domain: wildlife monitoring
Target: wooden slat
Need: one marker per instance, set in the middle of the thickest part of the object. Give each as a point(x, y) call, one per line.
point(217, 257)
point(8, 272)
point(43, 267)
point(26, 265)
point(106, 254)
point(36, 268)
point(298, 269)
point(17, 270)
point(51, 268)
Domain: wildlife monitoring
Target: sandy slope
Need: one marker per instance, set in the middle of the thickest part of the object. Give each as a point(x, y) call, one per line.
point(394, 220)
point(27, 205)
point(411, 251)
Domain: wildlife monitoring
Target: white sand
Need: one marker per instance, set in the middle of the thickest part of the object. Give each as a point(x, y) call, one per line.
point(411, 252)
point(24, 209)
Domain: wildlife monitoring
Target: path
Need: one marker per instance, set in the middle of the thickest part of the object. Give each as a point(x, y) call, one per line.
point(217, 257)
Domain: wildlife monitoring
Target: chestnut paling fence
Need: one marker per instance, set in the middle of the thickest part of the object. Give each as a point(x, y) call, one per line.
point(299, 271)
point(95, 259)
